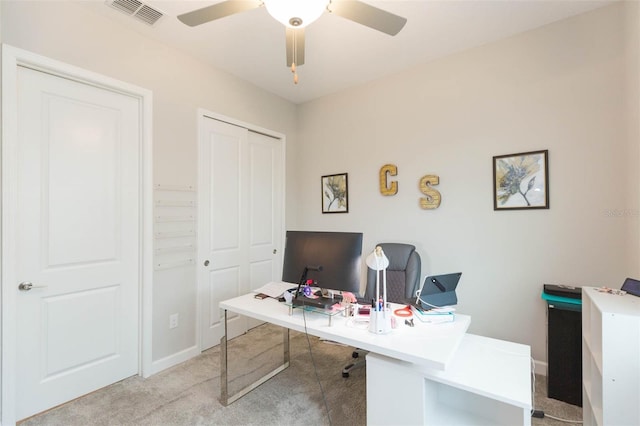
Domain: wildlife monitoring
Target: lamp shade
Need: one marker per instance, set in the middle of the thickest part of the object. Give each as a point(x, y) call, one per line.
point(296, 13)
point(377, 260)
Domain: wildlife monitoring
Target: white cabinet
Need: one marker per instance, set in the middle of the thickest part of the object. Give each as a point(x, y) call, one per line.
point(487, 383)
point(610, 358)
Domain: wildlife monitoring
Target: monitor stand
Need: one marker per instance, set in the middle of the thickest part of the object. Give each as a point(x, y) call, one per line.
point(320, 302)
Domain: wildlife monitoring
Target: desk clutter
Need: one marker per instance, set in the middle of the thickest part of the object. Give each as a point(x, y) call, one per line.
point(380, 319)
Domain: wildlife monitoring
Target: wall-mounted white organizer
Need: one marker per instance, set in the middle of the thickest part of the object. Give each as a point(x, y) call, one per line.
point(174, 226)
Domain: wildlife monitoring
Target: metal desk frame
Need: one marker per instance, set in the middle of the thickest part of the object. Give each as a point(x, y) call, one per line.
point(227, 399)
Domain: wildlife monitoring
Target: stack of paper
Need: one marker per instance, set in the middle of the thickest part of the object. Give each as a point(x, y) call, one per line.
point(434, 316)
point(275, 289)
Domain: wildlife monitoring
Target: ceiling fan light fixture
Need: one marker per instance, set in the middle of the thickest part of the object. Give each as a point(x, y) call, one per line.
point(296, 13)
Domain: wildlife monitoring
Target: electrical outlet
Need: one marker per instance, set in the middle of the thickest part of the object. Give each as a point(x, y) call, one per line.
point(173, 321)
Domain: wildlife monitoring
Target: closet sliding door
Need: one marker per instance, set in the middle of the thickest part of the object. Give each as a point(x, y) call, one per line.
point(240, 219)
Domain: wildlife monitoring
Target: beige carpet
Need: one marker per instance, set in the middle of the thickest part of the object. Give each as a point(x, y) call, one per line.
point(188, 393)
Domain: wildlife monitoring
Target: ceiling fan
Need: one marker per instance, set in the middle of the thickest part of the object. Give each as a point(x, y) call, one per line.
point(297, 14)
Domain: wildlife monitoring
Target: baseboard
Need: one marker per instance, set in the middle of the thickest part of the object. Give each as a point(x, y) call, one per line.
point(540, 367)
point(175, 359)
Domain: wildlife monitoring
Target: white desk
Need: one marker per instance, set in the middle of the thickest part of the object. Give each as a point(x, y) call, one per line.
point(430, 345)
point(413, 358)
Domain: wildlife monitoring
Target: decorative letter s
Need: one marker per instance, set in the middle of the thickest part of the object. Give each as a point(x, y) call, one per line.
point(432, 197)
point(384, 188)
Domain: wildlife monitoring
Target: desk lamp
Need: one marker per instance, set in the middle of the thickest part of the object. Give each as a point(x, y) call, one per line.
point(380, 316)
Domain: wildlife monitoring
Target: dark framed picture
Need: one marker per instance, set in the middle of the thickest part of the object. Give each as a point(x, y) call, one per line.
point(521, 181)
point(335, 193)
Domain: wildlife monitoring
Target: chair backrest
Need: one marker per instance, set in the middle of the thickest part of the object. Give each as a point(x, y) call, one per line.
point(403, 273)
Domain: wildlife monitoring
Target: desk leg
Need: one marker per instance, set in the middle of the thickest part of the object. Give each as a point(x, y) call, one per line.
point(224, 380)
point(285, 344)
point(225, 398)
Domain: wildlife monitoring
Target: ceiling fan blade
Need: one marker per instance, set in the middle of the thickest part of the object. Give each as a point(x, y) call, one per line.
point(295, 46)
point(217, 11)
point(368, 16)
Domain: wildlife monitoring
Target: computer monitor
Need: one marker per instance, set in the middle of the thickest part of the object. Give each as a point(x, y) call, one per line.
point(337, 254)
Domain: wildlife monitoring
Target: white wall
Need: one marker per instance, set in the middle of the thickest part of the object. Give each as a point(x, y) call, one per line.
point(563, 88)
point(69, 32)
point(632, 91)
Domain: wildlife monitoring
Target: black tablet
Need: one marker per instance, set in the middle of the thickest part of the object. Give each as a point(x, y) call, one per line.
point(439, 290)
point(631, 286)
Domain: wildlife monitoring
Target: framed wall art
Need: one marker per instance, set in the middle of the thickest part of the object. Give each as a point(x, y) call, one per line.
point(521, 181)
point(335, 193)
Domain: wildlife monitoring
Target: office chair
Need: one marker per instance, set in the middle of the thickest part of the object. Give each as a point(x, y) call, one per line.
point(403, 280)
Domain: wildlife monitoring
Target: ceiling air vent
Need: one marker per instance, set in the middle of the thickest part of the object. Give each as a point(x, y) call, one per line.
point(137, 9)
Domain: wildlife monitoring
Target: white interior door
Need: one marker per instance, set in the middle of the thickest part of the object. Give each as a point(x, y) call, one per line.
point(78, 218)
point(240, 219)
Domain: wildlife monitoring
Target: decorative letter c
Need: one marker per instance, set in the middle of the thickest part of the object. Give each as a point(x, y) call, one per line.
point(384, 188)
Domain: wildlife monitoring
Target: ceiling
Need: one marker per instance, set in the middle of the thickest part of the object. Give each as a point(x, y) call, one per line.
point(342, 53)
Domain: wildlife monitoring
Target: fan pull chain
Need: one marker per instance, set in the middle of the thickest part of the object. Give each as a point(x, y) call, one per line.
point(295, 74)
point(295, 58)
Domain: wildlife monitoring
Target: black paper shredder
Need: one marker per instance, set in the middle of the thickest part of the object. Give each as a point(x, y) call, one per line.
point(564, 343)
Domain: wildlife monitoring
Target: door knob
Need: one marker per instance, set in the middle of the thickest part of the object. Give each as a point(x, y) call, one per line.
point(206, 263)
point(275, 251)
point(26, 286)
